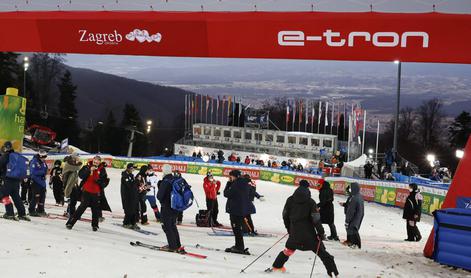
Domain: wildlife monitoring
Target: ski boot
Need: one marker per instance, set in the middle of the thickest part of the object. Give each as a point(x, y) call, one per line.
point(333, 238)
point(236, 250)
point(10, 217)
point(69, 226)
point(95, 229)
point(274, 269)
point(101, 219)
point(24, 218)
point(43, 214)
point(127, 226)
point(34, 214)
point(135, 227)
point(181, 250)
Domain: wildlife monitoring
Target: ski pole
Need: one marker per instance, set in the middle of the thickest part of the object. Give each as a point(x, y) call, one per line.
point(243, 270)
point(318, 246)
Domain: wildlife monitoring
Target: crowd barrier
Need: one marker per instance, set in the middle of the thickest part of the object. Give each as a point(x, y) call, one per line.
point(382, 192)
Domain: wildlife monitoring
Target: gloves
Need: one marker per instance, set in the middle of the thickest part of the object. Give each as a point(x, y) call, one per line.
point(262, 199)
point(218, 193)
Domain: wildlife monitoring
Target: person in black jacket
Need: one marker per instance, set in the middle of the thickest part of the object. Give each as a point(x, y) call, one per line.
point(56, 183)
point(10, 188)
point(302, 221)
point(238, 203)
point(368, 167)
point(129, 197)
point(412, 212)
point(326, 206)
point(169, 215)
point(143, 187)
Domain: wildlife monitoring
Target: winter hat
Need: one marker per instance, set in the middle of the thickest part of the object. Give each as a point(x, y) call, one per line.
point(166, 169)
point(130, 165)
point(235, 173)
point(304, 183)
point(413, 186)
point(57, 163)
point(42, 154)
point(7, 145)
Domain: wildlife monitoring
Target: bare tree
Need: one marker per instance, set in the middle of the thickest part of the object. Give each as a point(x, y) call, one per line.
point(429, 124)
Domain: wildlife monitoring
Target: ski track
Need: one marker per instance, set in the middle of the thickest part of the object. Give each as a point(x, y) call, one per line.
point(45, 248)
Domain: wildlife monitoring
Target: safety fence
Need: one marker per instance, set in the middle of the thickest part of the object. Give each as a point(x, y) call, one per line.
point(388, 193)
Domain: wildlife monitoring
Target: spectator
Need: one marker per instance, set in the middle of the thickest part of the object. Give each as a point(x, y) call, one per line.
point(247, 160)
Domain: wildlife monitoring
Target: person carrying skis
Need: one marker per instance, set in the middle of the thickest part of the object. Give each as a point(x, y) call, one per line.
point(38, 172)
point(129, 197)
point(412, 213)
point(326, 208)
point(142, 187)
point(10, 187)
point(72, 189)
point(211, 190)
point(152, 184)
point(354, 214)
point(303, 223)
point(237, 192)
point(94, 179)
point(56, 184)
point(169, 215)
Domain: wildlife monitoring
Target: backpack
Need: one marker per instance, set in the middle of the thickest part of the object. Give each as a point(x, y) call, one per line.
point(181, 196)
point(17, 166)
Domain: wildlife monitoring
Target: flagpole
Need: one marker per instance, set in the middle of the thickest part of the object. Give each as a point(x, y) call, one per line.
point(349, 137)
point(364, 131)
point(312, 118)
point(326, 118)
point(306, 118)
point(377, 142)
point(332, 119)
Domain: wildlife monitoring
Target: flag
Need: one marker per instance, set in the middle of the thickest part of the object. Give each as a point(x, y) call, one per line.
point(300, 112)
point(294, 114)
point(287, 115)
point(312, 118)
point(229, 106)
point(207, 103)
point(307, 117)
point(332, 119)
point(326, 114)
point(320, 113)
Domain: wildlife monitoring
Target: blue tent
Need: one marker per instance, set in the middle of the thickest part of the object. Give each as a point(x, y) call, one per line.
point(453, 237)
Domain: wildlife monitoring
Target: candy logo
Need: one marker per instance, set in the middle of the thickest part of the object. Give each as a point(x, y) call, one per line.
point(287, 179)
point(143, 36)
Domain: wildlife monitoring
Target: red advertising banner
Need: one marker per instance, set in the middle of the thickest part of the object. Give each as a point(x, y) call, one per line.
point(368, 192)
point(401, 196)
point(175, 166)
point(338, 187)
point(312, 181)
point(254, 174)
point(367, 36)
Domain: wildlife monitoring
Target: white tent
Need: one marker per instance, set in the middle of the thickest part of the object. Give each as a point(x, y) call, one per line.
point(349, 167)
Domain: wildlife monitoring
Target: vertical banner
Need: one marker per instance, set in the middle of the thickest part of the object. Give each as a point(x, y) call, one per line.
point(319, 114)
point(12, 118)
point(294, 114)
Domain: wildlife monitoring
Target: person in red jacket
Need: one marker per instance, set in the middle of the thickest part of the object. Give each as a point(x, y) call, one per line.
point(211, 190)
point(94, 178)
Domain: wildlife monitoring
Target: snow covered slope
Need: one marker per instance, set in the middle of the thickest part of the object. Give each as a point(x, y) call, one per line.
point(45, 248)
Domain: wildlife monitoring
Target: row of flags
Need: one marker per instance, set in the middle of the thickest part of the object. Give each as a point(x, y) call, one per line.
point(213, 110)
point(308, 114)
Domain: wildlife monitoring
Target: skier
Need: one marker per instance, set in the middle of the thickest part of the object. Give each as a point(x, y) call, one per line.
point(177, 174)
point(105, 181)
point(169, 215)
point(248, 222)
point(38, 172)
point(237, 192)
point(302, 221)
point(10, 187)
point(129, 197)
point(55, 182)
point(141, 184)
point(354, 216)
point(412, 212)
point(326, 207)
point(211, 190)
point(94, 178)
point(152, 181)
point(72, 189)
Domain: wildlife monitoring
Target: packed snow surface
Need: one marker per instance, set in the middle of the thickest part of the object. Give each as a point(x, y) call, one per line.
point(45, 248)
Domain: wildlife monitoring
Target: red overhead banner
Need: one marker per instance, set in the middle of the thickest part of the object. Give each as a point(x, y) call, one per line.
point(366, 36)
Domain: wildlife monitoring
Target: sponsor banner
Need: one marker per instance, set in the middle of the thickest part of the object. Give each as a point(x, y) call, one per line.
point(254, 174)
point(12, 120)
point(277, 177)
point(203, 170)
point(401, 196)
point(431, 202)
point(365, 36)
point(180, 167)
point(338, 187)
point(313, 182)
point(368, 192)
point(385, 195)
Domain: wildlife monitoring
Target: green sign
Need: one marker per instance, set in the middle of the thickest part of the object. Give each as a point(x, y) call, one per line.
point(385, 195)
point(12, 120)
point(277, 177)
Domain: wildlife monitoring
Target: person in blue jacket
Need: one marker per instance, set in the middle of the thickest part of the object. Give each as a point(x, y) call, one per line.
point(38, 172)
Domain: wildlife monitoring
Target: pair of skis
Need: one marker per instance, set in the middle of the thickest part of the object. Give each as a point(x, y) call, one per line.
point(223, 232)
point(165, 249)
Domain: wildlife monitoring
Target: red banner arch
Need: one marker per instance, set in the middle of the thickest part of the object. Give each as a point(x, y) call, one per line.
point(366, 36)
